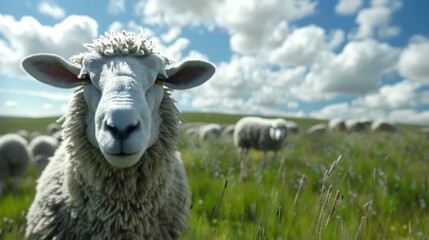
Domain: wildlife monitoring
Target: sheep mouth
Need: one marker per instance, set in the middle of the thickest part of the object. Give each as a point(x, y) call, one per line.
point(122, 159)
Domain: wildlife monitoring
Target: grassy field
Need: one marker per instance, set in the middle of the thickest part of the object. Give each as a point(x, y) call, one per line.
point(333, 186)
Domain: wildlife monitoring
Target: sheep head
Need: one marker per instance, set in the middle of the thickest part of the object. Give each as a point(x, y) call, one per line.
point(123, 93)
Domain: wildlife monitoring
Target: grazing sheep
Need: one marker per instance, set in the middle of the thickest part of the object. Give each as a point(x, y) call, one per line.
point(337, 124)
point(41, 148)
point(209, 131)
point(14, 158)
point(228, 130)
point(382, 126)
point(24, 133)
point(317, 129)
point(292, 127)
point(53, 128)
point(116, 174)
point(355, 125)
point(260, 134)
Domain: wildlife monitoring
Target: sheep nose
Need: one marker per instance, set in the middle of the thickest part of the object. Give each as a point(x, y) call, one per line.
point(121, 133)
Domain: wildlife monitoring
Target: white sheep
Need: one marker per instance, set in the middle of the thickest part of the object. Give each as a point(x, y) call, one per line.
point(317, 129)
point(292, 127)
point(116, 174)
point(355, 125)
point(209, 131)
point(14, 159)
point(382, 126)
point(337, 124)
point(260, 134)
point(42, 148)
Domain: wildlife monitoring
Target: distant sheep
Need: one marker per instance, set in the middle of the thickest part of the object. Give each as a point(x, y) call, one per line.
point(53, 128)
point(337, 124)
point(260, 134)
point(116, 174)
point(355, 125)
point(41, 148)
point(382, 126)
point(209, 131)
point(14, 158)
point(317, 129)
point(228, 130)
point(292, 127)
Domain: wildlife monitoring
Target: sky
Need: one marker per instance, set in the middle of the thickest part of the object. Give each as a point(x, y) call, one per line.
point(348, 59)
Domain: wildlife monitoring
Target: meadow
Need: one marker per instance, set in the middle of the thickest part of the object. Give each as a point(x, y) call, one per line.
point(331, 186)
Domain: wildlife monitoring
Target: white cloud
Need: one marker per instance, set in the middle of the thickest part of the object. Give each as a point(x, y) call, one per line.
point(116, 7)
point(348, 7)
point(375, 21)
point(245, 85)
point(409, 116)
point(354, 71)
point(303, 45)
point(413, 62)
point(250, 22)
point(397, 96)
point(11, 104)
point(47, 106)
point(28, 36)
point(59, 95)
point(51, 9)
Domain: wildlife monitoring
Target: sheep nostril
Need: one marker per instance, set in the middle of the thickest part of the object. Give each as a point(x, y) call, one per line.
point(122, 134)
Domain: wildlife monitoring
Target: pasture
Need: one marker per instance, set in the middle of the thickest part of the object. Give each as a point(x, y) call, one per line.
point(331, 186)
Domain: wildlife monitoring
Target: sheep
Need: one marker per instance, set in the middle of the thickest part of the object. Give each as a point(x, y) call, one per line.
point(209, 131)
point(292, 127)
point(53, 128)
point(382, 126)
point(317, 129)
point(260, 134)
point(41, 148)
point(116, 174)
point(336, 124)
point(14, 159)
point(228, 130)
point(355, 125)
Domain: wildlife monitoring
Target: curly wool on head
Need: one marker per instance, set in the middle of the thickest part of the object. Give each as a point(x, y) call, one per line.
point(121, 44)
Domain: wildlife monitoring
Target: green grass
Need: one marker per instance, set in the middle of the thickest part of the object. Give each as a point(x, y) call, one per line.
point(277, 202)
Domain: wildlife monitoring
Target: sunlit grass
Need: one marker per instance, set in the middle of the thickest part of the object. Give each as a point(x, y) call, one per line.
point(282, 199)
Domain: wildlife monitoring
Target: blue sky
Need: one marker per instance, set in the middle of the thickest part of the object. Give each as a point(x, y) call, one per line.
point(299, 58)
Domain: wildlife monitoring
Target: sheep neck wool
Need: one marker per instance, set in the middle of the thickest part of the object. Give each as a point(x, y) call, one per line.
point(120, 200)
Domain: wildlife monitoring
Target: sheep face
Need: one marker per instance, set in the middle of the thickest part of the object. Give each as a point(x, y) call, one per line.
point(123, 94)
point(278, 130)
point(123, 102)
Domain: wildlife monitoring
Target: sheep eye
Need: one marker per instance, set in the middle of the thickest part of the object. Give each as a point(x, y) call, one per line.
point(85, 78)
point(160, 79)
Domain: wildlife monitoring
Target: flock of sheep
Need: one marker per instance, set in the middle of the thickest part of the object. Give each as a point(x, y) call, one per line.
point(115, 172)
point(18, 150)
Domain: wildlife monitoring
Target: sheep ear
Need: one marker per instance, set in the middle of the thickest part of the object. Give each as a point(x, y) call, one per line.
point(52, 70)
point(189, 74)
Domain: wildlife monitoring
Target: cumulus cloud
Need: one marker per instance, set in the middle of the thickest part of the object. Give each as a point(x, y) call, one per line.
point(28, 36)
point(348, 7)
point(413, 62)
point(116, 7)
point(375, 21)
point(303, 45)
point(354, 71)
point(251, 23)
point(245, 84)
point(397, 96)
point(51, 9)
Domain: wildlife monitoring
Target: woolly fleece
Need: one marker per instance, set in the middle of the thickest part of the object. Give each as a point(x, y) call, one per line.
point(81, 196)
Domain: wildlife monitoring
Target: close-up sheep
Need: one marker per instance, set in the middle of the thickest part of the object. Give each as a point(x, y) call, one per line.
point(116, 174)
point(260, 134)
point(14, 159)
